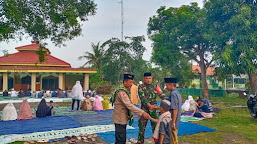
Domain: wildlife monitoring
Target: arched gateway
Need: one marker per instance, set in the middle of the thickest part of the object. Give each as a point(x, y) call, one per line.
point(22, 70)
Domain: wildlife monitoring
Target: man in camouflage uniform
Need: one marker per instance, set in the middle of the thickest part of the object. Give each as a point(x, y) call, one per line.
point(147, 94)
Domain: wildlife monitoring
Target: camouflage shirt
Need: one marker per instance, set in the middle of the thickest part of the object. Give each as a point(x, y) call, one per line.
point(147, 94)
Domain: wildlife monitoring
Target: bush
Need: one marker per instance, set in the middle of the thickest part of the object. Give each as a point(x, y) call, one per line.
point(193, 86)
point(233, 95)
point(104, 89)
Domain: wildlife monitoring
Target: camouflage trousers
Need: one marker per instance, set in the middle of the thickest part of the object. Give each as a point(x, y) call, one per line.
point(142, 124)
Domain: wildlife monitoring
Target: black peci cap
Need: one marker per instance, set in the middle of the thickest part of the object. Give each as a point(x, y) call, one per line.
point(128, 76)
point(170, 80)
point(147, 74)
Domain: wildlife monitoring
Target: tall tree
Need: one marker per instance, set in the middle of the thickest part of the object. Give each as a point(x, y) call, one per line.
point(57, 20)
point(235, 26)
point(95, 58)
point(158, 74)
point(177, 65)
point(182, 34)
point(123, 56)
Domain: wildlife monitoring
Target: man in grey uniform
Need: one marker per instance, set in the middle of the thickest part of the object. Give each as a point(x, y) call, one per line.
point(123, 109)
point(175, 107)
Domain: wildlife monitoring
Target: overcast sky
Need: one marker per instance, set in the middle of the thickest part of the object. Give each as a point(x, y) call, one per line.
point(105, 25)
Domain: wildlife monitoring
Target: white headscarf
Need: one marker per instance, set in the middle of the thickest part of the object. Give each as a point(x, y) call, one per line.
point(9, 112)
point(186, 106)
point(190, 98)
point(76, 91)
point(13, 93)
point(192, 103)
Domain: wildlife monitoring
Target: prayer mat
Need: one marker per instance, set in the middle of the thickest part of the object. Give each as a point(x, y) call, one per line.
point(37, 125)
point(190, 118)
point(185, 128)
point(67, 111)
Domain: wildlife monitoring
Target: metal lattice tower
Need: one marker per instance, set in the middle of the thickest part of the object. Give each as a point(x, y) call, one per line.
point(122, 19)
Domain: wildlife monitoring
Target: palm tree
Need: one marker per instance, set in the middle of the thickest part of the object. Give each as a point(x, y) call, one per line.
point(94, 58)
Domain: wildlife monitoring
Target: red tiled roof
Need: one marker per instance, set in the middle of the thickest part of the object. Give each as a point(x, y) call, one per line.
point(27, 60)
point(44, 69)
point(31, 58)
point(210, 70)
point(33, 46)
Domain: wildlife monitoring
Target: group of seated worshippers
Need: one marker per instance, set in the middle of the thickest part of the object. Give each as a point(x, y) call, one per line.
point(39, 94)
point(25, 112)
point(21, 93)
point(200, 108)
point(48, 94)
point(95, 103)
point(90, 93)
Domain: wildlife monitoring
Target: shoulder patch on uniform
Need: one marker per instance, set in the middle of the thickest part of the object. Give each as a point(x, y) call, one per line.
point(125, 95)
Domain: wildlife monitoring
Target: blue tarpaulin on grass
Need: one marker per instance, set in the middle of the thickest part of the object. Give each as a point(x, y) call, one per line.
point(37, 125)
point(101, 118)
point(105, 117)
point(185, 128)
point(98, 118)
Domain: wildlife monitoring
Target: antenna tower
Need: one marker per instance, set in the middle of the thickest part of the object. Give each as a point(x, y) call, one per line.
point(122, 19)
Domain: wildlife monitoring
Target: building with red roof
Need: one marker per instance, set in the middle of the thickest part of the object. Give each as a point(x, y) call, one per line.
point(231, 82)
point(22, 70)
point(209, 72)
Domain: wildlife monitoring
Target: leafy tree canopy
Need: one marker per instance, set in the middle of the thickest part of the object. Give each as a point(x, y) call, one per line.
point(236, 24)
point(179, 35)
point(57, 20)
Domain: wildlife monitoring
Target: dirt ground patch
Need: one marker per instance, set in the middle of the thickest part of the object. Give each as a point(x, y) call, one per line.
point(235, 139)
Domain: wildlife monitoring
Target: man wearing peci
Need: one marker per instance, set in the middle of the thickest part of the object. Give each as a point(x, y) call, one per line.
point(123, 109)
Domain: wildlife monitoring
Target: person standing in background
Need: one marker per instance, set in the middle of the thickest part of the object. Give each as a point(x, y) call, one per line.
point(77, 94)
point(134, 95)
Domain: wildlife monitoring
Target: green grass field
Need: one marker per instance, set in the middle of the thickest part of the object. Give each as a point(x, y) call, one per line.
point(233, 125)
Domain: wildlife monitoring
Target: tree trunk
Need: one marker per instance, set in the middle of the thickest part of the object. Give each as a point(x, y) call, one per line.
point(253, 82)
point(203, 78)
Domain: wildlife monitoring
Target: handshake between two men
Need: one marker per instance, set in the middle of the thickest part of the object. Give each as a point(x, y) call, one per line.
point(145, 115)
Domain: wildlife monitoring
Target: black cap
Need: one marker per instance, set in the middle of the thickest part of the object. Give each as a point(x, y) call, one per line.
point(147, 74)
point(170, 80)
point(51, 101)
point(128, 76)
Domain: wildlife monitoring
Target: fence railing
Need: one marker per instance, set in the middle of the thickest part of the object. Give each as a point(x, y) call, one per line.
point(198, 92)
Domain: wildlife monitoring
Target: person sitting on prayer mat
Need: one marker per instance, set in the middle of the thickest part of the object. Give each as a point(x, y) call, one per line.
point(5, 93)
point(43, 110)
point(87, 104)
point(28, 93)
point(97, 105)
point(13, 93)
point(105, 103)
point(25, 111)
point(9, 112)
point(52, 107)
point(202, 110)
